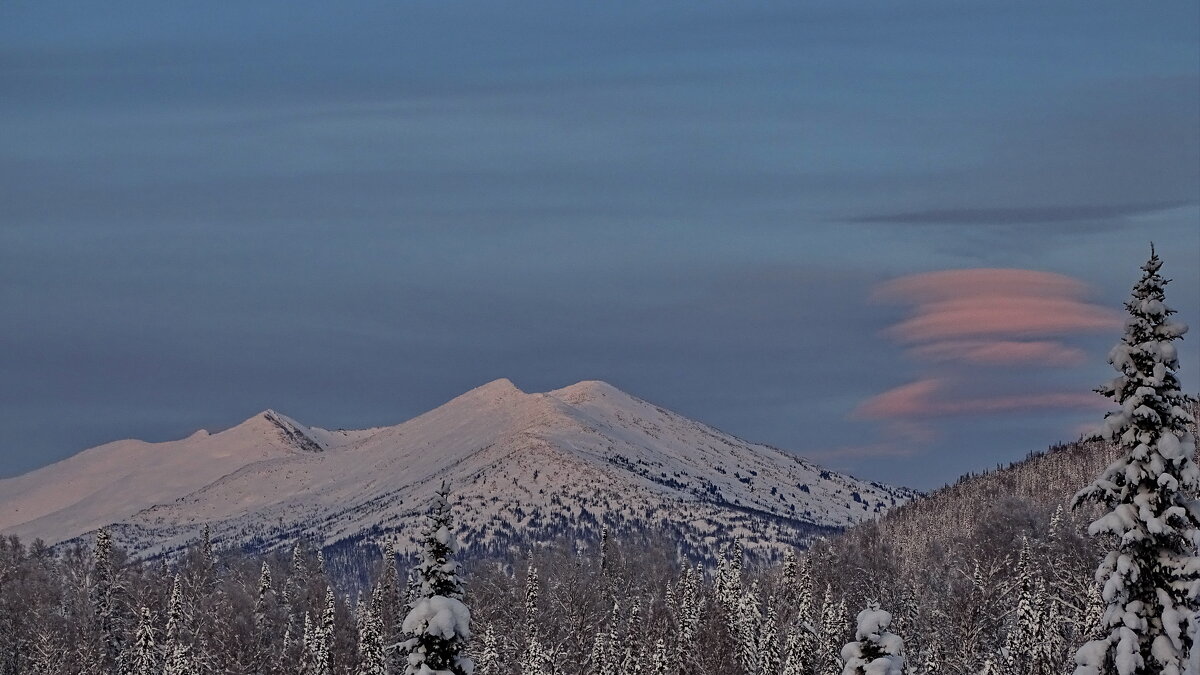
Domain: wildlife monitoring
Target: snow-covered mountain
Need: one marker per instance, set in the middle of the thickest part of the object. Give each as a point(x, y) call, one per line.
point(523, 466)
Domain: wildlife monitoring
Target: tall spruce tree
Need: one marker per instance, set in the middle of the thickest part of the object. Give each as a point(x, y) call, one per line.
point(178, 654)
point(1150, 580)
point(534, 656)
point(371, 657)
point(437, 620)
point(325, 632)
point(144, 660)
point(487, 661)
point(105, 591)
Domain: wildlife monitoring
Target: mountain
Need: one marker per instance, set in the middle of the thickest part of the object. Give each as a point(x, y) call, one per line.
point(522, 466)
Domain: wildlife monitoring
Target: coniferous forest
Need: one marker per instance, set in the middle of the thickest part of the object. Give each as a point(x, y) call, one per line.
point(1079, 560)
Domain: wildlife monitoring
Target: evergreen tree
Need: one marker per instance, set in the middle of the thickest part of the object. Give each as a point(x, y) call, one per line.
point(768, 642)
point(309, 648)
point(532, 660)
point(208, 560)
point(747, 628)
point(324, 636)
point(875, 651)
point(632, 659)
point(178, 655)
point(604, 552)
point(371, 657)
point(488, 660)
point(386, 604)
point(796, 652)
point(610, 660)
point(1025, 634)
point(261, 602)
point(263, 637)
point(833, 620)
point(660, 663)
point(597, 659)
point(438, 620)
point(1150, 579)
point(104, 593)
point(145, 652)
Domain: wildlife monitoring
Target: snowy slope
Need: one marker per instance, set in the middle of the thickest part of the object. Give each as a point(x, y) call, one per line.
point(114, 481)
point(523, 466)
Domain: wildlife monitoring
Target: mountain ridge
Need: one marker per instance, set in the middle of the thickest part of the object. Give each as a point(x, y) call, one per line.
point(524, 465)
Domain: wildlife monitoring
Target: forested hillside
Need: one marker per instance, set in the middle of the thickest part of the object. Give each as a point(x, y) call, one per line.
point(968, 572)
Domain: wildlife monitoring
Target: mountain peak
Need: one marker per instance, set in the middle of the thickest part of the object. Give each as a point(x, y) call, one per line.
point(587, 390)
point(494, 391)
point(287, 430)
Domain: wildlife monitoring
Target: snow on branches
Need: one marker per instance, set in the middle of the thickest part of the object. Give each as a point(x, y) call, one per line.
point(438, 622)
point(1151, 579)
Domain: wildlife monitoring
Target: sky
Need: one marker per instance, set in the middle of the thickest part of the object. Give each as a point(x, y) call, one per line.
point(893, 237)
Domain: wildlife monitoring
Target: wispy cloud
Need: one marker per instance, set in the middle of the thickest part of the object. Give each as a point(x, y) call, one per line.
point(1002, 353)
point(930, 398)
point(1025, 215)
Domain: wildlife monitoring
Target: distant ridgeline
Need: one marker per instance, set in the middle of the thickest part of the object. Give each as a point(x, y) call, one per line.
point(996, 507)
point(526, 469)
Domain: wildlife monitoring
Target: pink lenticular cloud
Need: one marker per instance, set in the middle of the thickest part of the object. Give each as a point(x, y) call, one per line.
point(994, 316)
point(981, 317)
point(922, 399)
point(1000, 315)
point(1002, 353)
point(909, 400)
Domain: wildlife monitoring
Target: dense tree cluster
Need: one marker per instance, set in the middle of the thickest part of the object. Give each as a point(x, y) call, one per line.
point(970, 602)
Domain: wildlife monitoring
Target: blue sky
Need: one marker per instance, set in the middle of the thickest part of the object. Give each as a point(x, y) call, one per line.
point(352, 213)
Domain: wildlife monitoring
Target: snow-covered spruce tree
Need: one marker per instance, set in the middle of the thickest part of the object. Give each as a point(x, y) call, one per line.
point(604, 551)
point(177, 654)
point(833, 620)
point(690, 600)
point(660, 662)
point(144, 660)
point(437, 620)
point(263, 635)
point(606, 648)
point(1151, 579)
point(796, 652)
point(745, 627)
point(875, 651)
point(1025, 632)
point(487, 661)
point(768, 641)
point(104, 591)
point(309, 653)
point(324, 636)
point(534, 657)
point(371, 657)
point(632, 659)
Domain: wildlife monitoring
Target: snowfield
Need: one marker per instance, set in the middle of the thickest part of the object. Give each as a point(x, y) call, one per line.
point(522, 466)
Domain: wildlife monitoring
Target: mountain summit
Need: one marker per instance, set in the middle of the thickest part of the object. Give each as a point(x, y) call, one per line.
point(524, 466)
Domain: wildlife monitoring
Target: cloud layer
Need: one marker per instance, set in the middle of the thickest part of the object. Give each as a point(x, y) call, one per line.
point(966, 319)
point(978, 316)
point(930, 397)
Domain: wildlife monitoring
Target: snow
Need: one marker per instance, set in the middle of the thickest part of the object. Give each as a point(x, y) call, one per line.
point(510, 454)
point(876, 651)
point(114, 481)
point(440, 616)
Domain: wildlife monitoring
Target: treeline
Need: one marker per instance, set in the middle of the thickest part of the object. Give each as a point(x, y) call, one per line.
point(602, 610)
